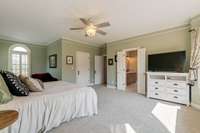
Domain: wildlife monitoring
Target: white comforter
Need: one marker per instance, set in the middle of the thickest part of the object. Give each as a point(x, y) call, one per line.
point(59, 102)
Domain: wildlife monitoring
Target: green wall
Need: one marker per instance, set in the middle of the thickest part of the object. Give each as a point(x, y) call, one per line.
point(38, 56)
point(175, 39)
point(69, 48)
point(55, 48)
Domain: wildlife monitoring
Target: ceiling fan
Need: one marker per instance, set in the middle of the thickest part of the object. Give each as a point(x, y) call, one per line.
point(90, 28)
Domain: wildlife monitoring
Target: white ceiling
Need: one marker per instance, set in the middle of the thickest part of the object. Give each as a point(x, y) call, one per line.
point(42, 21)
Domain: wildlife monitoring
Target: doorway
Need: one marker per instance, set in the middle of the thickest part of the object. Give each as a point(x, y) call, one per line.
point(82, 68)
point(105, 69)
point(99, 69)
point(131, 70)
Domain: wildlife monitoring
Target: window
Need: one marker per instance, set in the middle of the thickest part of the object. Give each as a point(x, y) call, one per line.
point(19, 59)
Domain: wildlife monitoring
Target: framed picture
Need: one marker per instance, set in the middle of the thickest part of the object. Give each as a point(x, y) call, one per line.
point(110, 61)
point(69, 60)
point(53, 61)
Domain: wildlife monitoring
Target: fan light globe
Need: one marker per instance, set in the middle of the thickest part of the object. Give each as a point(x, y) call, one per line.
point(91, 31)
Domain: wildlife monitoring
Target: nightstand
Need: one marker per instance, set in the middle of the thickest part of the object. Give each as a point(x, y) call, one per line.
point(7, 118)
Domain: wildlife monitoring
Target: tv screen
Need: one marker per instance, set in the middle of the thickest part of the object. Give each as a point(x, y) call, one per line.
point(167, 62)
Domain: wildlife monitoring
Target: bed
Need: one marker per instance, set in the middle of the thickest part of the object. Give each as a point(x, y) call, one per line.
point(59, 102)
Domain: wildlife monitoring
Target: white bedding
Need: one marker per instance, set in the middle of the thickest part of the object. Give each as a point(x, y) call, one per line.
point(59, 102)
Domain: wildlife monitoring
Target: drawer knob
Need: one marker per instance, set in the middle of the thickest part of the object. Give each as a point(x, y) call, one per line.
point(175, 90)
point(175, 84)
point(156, 82)
point(156, 94)
point(175, 97)
point(156, 88)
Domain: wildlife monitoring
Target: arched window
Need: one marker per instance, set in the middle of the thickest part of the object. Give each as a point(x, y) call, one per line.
point(19, 59)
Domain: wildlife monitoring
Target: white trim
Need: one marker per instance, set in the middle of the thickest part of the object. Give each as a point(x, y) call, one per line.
point(83, 42)
point(111, 86)
point(131, 49)
point(196, 106)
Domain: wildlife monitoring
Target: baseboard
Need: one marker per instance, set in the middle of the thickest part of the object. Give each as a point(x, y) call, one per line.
point(194, 105)
point(111, 86)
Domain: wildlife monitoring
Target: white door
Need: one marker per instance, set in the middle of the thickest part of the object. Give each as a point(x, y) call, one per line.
point(121, 70)
point(141, 70)
point(99, 70)
point(82, 68)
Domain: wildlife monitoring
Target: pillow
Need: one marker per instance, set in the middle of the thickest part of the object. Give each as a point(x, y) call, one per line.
point(22, 77)
point(41, 83)
point(14, 84)
point(33, 85)
point(5, 95)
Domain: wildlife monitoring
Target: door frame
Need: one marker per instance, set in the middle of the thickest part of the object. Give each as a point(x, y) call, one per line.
point(89, 83)
point(95, 69)
point(138, 61)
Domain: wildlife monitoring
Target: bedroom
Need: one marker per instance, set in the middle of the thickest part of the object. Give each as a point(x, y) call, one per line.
point(37, 40)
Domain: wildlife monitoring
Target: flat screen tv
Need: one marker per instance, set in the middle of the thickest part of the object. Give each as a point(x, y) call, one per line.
point(167, 62)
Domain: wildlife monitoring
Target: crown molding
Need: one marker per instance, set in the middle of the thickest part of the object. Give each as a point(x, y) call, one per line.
point(23, 42)
point(82, 42)
point(156, 33)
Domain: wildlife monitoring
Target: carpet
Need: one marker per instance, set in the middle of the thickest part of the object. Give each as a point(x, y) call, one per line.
point(128, 112)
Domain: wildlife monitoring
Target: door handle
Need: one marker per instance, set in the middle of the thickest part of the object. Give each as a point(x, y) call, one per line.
point(94, 71)
point(78, 72)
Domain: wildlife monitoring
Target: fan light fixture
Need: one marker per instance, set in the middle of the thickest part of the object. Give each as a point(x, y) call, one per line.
point(91, 30)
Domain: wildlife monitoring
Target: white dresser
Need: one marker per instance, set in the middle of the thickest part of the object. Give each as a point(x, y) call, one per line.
point(168, 86)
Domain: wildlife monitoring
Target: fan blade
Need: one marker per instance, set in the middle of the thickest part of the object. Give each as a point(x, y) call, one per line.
point(105, 24)
point(77, 28)
point(101, 32)
point(86, 22)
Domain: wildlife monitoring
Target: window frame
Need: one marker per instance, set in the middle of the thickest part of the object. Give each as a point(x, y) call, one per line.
point(21, 53)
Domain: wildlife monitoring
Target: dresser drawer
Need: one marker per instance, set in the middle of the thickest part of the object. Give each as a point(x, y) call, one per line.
point(156, 94)
point(156, 88)
point(177, 98)
point(177, 84)
point(156, 82)
point(177, 91)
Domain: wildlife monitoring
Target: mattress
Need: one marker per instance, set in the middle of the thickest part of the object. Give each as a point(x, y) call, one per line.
point(59, 102)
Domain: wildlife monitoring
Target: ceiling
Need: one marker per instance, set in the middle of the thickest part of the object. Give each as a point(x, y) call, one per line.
point(44, 21)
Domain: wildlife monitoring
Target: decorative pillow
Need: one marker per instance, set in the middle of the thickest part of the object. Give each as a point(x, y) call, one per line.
point(14, 84)
point(41, 83)
point(5, 95)
point(22, 78)
point(33, 84)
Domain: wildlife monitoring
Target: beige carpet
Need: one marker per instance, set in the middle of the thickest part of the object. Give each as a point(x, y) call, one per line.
point(128, 112)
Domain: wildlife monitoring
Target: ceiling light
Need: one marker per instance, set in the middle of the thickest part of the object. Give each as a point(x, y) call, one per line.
point(91, 30)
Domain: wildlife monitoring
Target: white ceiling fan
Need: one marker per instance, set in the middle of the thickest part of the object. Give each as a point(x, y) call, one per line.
point(90, 28)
